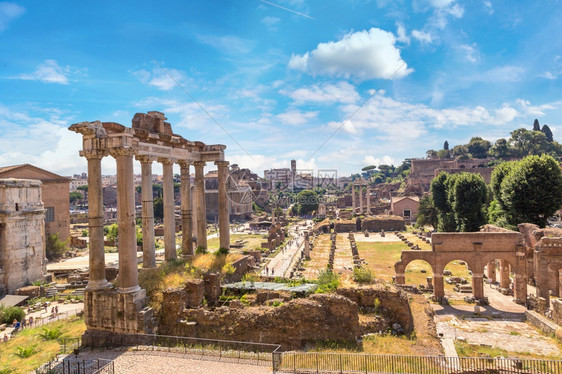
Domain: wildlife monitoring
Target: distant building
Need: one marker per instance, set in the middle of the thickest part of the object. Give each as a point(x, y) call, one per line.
point(55, 192)
point(406, 207)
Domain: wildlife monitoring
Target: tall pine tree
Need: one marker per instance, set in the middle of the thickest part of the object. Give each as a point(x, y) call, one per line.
point(548, 133)
point(536, 126)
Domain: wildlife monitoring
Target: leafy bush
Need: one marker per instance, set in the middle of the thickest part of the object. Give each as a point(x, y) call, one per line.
point(51, 334)
point(11, 313)
point(84, 232)
point(328, 281)
point(200, 250)
point(228, 269)
point(55, 247)
point(377, 305)
point(25, 352)
point(222, 251)
point(362, 275)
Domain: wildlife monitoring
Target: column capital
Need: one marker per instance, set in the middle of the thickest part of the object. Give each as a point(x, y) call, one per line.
point(222, 163)
point(93, 153)
point(166, 160)
point(184, 163)
point(121, 151)
point(145, 159)
point(199, 163)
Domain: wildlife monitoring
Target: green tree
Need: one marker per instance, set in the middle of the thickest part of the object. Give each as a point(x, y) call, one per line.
point(532, 191)
point(498, 175)
point(446, 145)
point(536, 126)
point(55, 247)
point(444, 153)
point(439, 192)
point(460, 151)
point(478, 147)
point(308, 201)
point(548, 133)
point(527, 142)
point(427, 213)
point(159, 208)
point(500, 149)
point(112, 232)
point(75, 196)
point(467, 198)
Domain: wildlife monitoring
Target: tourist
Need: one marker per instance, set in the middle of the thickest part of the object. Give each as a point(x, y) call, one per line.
point(23, 323)
point(5, 338)
point(30, 321)
point(57, 309)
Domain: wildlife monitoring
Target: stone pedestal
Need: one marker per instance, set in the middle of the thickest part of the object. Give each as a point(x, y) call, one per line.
point(169, 219)
point(478, 286)
point(438, 286)
point(148, 253)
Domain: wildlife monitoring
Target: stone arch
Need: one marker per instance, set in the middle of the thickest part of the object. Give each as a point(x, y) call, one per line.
point(455, 267)
point(422, 279)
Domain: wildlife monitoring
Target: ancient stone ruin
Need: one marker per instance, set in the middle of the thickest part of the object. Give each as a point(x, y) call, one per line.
point(122, 309)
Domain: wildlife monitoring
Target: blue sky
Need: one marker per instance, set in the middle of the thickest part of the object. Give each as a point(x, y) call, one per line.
point(334, 84)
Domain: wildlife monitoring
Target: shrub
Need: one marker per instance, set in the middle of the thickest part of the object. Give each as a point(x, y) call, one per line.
point(51, 334)
point(7, 315)
point(328, 281)
point(377, 305)
point(228, 269)
point(55, 247)
point(84, 232)
point(222, 251)
point(200, 250)
point(362, 275)
point(25, 352)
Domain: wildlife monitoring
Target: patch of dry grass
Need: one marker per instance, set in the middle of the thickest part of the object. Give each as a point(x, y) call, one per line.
point(45, 351)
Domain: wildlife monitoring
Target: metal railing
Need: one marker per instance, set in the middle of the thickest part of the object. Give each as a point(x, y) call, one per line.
point(40, 321)
point(222, 350)
point(295, 362)
point(75, 365)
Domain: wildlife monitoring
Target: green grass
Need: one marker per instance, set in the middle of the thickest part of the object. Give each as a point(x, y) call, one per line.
point(38, 351)
point(465, 349)
point(252, 242)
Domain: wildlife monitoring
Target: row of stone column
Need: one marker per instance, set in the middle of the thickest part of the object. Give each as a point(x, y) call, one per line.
point(361, 198)
point(128, 275)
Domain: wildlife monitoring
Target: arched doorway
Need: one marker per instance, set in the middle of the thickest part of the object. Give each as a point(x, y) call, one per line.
point(458, 279)
point(419, 273)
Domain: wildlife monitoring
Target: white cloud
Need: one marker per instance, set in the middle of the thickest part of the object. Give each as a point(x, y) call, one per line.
point(401, 34)
point(456, 11)
point(441, 3)
point(470, 52)
point(508, 73)
point(8, 13)
point(296, 117)
point(271, 23)
point(228, 44)
point(162, 80)
point(48, 72)
point(363, 54)
point(43, 140)
point(422, 36)
point(384, 160)
point(327, 93)
point(441, 14)
point(489, 7)
point(535, 110)
point(550, 75)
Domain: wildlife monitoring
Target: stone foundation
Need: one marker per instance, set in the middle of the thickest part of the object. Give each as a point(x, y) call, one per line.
point(386, 223)
point(111, 311)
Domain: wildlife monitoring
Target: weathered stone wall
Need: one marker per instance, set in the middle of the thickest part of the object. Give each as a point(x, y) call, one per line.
point(22, 248)
point(345, 226)
point(393, 302)
point(386, 223)
point(292, 324)
point(557, 311)
point(241, 267)
point(56, 195)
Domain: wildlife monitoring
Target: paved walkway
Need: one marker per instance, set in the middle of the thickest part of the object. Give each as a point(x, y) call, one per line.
point(281, 264)
point(500, 325)
point(150, 363)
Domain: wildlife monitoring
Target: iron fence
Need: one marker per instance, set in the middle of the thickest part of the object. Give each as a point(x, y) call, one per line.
point(40, 321)
point(222, 350)
point(76, 365)
point(309, 362)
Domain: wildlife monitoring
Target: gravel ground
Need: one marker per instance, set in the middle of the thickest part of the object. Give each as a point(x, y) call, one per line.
point(157, 363)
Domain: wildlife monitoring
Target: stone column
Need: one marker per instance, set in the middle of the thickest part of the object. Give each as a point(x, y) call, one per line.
point(194, 222)
point(368, 200)
point(97, 279)
point(353, 197)
point(224, 221)
point(169, 218)
point(361, 199)
point(127, 239)
point(186, 224)
point(201, 206)
point(438, 286)
point(478, 286)
point(504, 274)
point(148, 255)
point(491, 271)
point(542, 278)
point(306, 245)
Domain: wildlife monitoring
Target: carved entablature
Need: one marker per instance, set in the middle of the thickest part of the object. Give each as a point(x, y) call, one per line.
point(150, 135)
